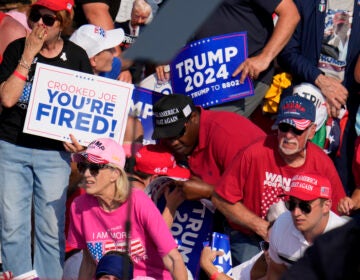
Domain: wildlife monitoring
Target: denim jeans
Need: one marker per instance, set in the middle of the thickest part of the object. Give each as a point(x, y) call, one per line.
point(243, 247)
point(33, 178)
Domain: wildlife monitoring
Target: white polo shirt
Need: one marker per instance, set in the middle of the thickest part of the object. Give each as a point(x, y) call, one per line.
point(287, 244)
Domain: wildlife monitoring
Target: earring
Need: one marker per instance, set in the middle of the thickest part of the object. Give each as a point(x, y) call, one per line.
point(59, 36)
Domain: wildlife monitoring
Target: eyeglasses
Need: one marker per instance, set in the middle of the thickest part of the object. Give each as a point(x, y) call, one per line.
point(93, 168)
point(264, 245)
point(47, 19)
point(304, 206)
point(284, 127)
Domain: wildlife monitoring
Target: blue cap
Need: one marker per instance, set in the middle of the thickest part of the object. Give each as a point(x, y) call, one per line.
point(296, 111)
point(114, 265)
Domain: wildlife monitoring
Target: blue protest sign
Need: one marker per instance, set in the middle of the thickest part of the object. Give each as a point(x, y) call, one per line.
point(203, 69)
point(141, 106)
point(192, 225)
point(221, 242)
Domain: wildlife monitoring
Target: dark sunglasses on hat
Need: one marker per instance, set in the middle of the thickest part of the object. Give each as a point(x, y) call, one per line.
point(94, 168)
point(47, 19)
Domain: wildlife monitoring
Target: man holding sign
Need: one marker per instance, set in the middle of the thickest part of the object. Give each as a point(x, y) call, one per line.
point(264, 42)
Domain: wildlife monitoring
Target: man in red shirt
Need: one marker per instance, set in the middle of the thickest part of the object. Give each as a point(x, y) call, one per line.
point(206, 140)
point(263, 171)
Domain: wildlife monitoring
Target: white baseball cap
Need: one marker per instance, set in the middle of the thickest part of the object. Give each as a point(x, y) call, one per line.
point(94, 39)
point(313, 94)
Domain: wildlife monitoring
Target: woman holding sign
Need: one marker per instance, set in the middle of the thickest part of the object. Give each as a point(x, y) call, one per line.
point(34, 171)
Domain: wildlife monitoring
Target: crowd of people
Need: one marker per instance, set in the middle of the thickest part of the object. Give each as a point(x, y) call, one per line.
point(135, 210)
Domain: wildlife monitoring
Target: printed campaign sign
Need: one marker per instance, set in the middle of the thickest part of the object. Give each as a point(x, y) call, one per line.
point(64, 101)
point(191, 227)
point(151, 82)
point(141, 106)
point(203, 69)
point(221, 242)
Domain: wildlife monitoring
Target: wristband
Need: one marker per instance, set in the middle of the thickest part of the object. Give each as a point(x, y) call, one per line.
point(19, 75)
point(214, 275)
point(24, 64)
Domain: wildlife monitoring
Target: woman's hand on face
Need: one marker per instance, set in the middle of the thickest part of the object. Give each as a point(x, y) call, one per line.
point(35, 40)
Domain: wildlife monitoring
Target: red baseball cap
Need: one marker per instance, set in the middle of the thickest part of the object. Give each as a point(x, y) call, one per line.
point(309, 186)
point(56, 5)
point(155, 159)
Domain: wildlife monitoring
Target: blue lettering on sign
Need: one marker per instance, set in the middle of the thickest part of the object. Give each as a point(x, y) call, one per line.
point(63, 109)
point(203, 70)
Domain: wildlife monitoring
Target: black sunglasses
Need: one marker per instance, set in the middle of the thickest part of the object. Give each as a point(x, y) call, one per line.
point(93, 168)
point(284, 127)
point(264, 245)
point(47, 19)
point(304, 206)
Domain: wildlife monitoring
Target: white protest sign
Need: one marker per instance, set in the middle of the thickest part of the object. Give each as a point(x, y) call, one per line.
point(64, 101)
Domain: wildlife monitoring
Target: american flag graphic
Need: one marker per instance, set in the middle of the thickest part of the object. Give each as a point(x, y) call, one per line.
point(100, 31)
point(137, 248)
point(115, 246)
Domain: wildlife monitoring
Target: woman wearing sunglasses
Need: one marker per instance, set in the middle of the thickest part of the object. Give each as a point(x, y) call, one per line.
point(34, 171)
point(99, 219)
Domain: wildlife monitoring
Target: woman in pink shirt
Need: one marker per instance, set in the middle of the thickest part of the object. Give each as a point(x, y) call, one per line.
point(113, 216)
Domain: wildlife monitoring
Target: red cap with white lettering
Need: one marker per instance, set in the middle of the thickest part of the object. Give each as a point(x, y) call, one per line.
point(309, 186)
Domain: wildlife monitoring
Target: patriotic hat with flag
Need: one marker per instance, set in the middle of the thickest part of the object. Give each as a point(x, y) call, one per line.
point(297, 111)
point(309, 186)
point(94, 39)
point(102, 151)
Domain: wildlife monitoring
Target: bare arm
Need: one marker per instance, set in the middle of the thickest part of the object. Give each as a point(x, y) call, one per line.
point(206, 262)
point(12, 88)
point(173, 201)
point(10, 30)
point(87, 267)
point(239, 214)
point(285, 26)
point(348, 204)
point(175, 264)
point(275, 270)
point(194, 189)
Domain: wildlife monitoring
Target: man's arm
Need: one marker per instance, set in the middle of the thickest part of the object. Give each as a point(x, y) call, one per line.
point(97, 13)
point(238, 213)
point(194, 189)
point(275, 270)
point(288, 18)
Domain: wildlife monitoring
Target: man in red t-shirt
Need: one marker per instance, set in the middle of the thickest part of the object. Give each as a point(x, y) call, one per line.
point(207, 140)
point(263, 171)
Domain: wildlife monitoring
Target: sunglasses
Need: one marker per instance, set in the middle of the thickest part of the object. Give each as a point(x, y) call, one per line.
point(264, 245)
point(304, 206)
point(47, 19)
point(93, 168)
point(284, 127)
